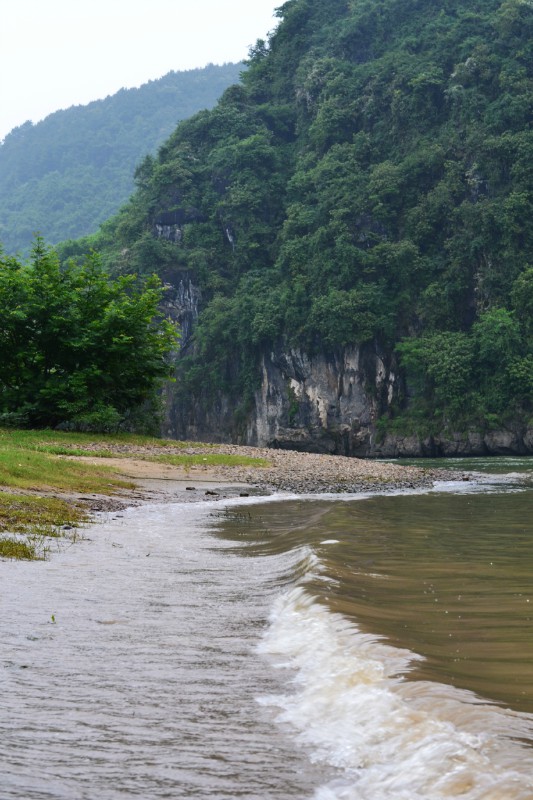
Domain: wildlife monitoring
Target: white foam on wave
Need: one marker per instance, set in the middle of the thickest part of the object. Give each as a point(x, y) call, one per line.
point(389, 737)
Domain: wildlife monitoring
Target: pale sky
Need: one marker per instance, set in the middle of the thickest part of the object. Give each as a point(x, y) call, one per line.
point(59, 53)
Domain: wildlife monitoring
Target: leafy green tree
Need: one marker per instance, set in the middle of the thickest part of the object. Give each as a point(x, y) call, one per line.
point(522, 297)
point(440, 367)
point(78, 347)
point(344, 318)
point(502, 373)
point(497, 338)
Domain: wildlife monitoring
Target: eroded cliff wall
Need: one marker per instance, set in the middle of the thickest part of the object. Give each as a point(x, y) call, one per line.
point(322, 402)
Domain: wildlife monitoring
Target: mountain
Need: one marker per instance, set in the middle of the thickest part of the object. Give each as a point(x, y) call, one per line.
point(66, 175)
point(347, 236)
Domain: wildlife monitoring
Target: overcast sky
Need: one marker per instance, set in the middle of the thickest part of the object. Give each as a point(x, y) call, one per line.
point(59, 53)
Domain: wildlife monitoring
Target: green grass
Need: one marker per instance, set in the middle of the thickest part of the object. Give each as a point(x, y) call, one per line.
point(209, 460)
point(25, 469)
point(35, 461)
point(27, 521)
point(34, 519)
point(28, 459)
point(20, 513)
point(53, 441)
point(20, 550)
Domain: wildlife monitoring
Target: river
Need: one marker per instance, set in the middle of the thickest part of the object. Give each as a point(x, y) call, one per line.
point(354, 648)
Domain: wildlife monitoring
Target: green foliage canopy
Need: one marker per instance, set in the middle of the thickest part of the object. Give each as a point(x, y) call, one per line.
point(77, 346)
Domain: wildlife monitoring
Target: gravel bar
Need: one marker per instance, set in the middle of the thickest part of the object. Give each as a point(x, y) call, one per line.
point(294, 471)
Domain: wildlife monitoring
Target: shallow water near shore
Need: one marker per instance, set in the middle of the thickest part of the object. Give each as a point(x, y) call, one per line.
point(377, 647)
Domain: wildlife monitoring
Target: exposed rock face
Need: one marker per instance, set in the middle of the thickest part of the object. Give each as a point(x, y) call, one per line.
point(172, 233)
point(168, 225)
point(321, 403)
point(181, 305)
point(451, 445)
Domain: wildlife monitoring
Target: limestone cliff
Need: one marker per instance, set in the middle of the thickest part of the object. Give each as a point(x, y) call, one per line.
point(327, 403)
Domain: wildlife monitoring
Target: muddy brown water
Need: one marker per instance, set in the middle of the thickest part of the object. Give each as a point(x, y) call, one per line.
point(366, 648)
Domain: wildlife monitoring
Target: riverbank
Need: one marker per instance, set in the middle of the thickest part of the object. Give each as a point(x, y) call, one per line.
point(177, 617)
point(52, 482)
point(274, 471)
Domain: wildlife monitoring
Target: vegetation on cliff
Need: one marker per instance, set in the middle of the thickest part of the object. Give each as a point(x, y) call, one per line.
point(368, 182)
point(66, 175)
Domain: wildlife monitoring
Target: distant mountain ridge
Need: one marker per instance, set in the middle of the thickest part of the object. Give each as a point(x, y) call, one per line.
point(68, 173)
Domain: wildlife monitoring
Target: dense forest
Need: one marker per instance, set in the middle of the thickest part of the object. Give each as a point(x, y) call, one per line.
point(66, 175)
point(368, 184)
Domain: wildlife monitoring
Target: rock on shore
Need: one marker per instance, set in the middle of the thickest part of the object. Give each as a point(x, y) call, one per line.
point(286, 470)
point(305, 473)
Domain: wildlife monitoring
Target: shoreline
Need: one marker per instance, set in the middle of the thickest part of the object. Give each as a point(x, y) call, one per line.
point(145, 476)
point(287, 471)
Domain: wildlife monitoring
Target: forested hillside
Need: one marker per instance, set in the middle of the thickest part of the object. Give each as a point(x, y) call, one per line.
point(364, 199)
point(67, 174)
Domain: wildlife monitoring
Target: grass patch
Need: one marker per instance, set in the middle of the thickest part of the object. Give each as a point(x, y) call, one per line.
point(210, 460)
point(61, 443)
point(20, 513)
point(25, 469)
point(52, 441)
point(28, 459)
point(34, 519)
point(17, 549)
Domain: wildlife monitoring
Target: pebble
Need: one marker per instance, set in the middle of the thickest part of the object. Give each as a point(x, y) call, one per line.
point(296, 472)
